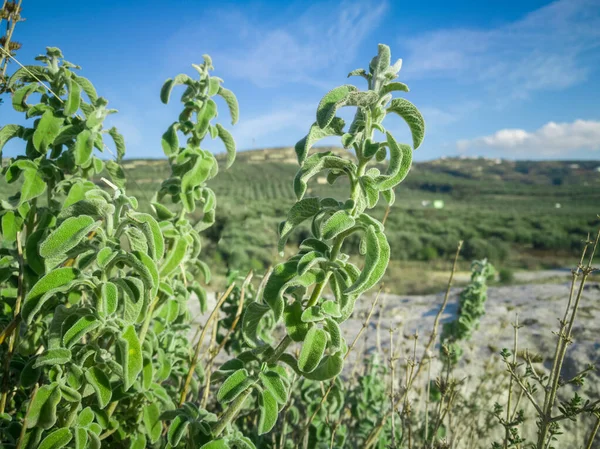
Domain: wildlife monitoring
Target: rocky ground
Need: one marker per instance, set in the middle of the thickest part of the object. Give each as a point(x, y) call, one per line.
point(538, 306)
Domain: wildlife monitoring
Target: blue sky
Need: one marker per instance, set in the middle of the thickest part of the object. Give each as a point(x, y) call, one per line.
point(510, 79)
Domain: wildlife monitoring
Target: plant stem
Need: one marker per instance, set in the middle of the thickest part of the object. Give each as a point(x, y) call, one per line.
point(194, 360)
point(231, 412)
point(24, 428)
point(14, 332)
point(510, 382)
point(592, 436)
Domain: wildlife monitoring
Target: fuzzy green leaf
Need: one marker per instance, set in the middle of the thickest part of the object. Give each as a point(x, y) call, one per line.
point(253, 315)
point(177, 429)
point(313, 349)
point(87, 87)
point(130, 355)
point(42, 411)
point(314, 164)
point(312, 314)
point(20, 97)
point(57, 439)
point(165, 92)
point(9, 132)
point(400, 163)
point(81, 327)
point(316, 133)
point(67, 236)
point(272, 381)
point(229, 143)
point(339, 222)
point(377, 267)
point(119, 142)
point(233, 386)
point(170, 140)
point(232, 103)
point(295, 326)
point(101, 385)
point(152, 421)
point(174, 257)
point(54, 279)
point(84, 146)
point(371, 260)
point(392, 87)
point(330, 367)
point(330, 102)
point(57, 356)
point(33, 185)
point(215, 444)
point(302, 210)
point(268, 412)
point(46, 131)
point(153, 233)
point(109, 296)
point(413, 118)
point(73, 100)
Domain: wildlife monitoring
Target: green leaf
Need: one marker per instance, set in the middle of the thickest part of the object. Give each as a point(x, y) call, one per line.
point(314, 164)
point(153, 233)
point(400, 163)
point(165, 92)
point(272, 381)
point(87, 87)
point(376, 261)
point(309, 260)
point(11, 224)
point(42, 411)
point(330, 367)
point(109, 296)
point(137, 441)
point(281, 274)
point(73, 100)
point(81, 327)
point(130, 355)
point(330, 102)
point(299, 212)
point(312, 314)
point(20, 97)
point(295, 326)
point(232, 103)
point(57, 439)
point(339, 222)
point(67, 236)
point(413, 118)
point(81, 437)
point(253, 315)
point(152, 422)
point(177, 429)
point(233, 386)
point(170, 141)
point(313, 349)
point(229, 143)
point(215, 444)
point(392, 87)
point(54, 279)
point(57, 356)
point(119, 142)
point(29, 375)
point(331, 308)
point(9, 132)
point(33, 185)
point(174, 257)
point(101, 385)
point(316, 133)
point(268, 412)
point(46, 131)
point(84, 146)
point(70, 394)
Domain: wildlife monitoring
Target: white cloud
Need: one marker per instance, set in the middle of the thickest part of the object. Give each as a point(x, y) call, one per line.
point(552, 139)
point(547, 49)
point(315, 41)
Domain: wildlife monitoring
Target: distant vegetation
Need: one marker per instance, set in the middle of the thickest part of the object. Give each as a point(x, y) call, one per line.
point(524, 214)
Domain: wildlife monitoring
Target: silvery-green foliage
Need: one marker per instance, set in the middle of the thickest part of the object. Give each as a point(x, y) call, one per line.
point(471, 307)
point(293, 294)
point(97, 290)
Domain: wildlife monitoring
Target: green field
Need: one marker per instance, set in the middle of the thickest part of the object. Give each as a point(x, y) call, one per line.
point(504, 210)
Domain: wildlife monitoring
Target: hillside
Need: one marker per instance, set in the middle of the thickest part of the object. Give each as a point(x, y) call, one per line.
point(519, 214)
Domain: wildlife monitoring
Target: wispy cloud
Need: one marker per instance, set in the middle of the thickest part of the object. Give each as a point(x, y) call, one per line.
point(552, 139)
point(548, 49)
point(319, 39)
